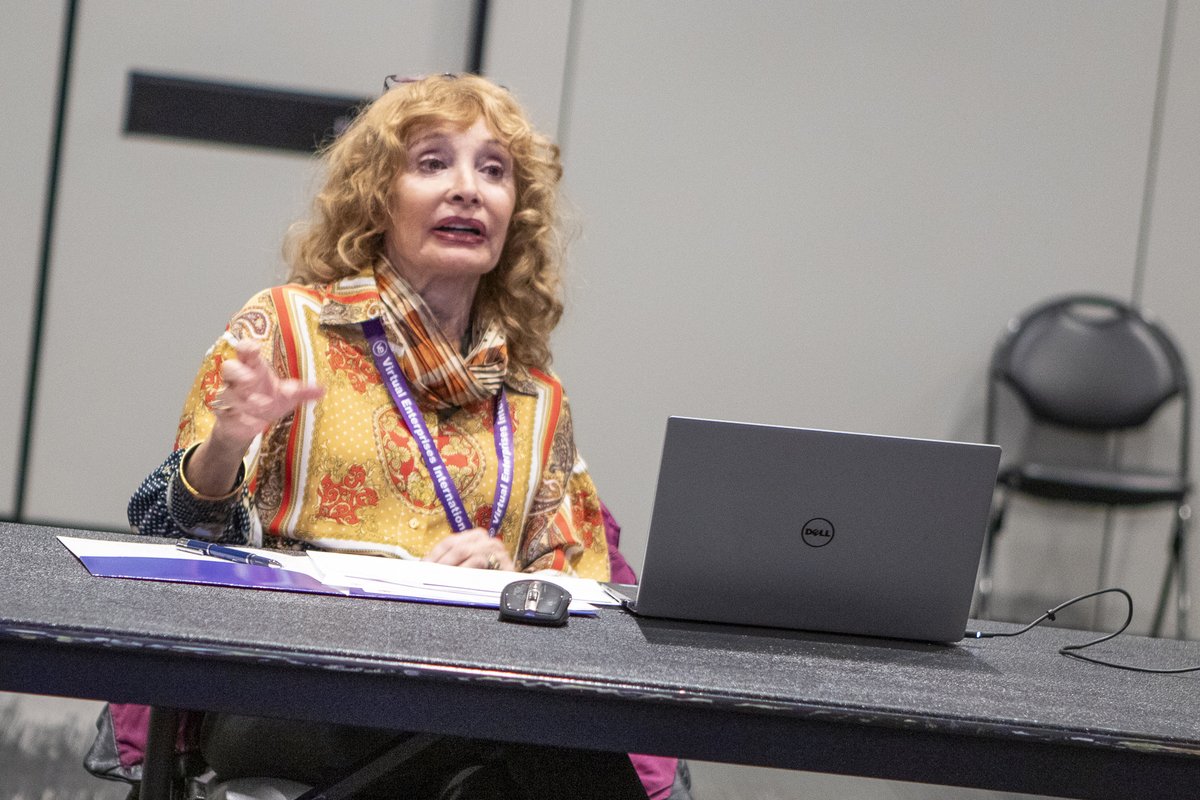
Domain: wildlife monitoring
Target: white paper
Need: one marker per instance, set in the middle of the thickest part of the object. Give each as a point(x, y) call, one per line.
point(412, 580)
point(346, 569)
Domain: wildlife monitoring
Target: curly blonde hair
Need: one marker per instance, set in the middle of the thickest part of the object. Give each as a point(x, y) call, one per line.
point(346, 231)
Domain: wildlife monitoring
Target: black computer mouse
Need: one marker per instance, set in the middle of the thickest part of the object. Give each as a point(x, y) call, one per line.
point(535, 601)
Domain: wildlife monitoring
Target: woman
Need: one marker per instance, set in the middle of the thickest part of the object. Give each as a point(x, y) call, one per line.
point(437, 220)
point(394, 397)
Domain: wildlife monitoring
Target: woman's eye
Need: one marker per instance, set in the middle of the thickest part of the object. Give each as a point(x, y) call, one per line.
point(494, 170)
point(431, 164)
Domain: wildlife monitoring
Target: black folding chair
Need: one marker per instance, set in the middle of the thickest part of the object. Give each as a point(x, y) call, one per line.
point(1098, 367)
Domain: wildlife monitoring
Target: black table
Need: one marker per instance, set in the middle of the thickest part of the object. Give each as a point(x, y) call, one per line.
point(1004, 714)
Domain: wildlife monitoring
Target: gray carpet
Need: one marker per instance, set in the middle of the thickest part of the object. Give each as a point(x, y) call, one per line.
point(42, 742)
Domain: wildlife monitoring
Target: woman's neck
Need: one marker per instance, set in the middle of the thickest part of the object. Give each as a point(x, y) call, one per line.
point(450, 298)
point(451, 306)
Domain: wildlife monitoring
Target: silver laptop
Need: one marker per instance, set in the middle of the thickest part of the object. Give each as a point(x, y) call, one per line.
point(816, 530)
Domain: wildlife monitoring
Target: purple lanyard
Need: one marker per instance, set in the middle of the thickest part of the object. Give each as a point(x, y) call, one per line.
point(443, 484)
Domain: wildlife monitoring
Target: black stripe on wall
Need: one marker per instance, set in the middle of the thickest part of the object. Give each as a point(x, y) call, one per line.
point(239, 114)
point(478, 38)
point(50, 213)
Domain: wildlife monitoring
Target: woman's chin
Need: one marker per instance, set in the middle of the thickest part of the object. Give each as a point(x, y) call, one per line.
point(460, 267)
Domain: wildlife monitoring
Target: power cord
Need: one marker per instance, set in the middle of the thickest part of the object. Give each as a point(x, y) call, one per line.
point(1072, 650)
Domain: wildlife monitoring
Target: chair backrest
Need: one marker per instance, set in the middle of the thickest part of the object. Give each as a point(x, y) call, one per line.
point(1090, 363)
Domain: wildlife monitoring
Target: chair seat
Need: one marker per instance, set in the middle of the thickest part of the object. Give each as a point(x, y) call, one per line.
point(1091, 485)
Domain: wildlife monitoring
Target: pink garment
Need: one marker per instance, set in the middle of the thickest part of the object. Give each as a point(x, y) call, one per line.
point(657, 774)
point(618, 566)
point(131, 728)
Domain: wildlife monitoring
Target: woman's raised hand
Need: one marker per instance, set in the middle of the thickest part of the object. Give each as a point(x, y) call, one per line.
point(253, 397)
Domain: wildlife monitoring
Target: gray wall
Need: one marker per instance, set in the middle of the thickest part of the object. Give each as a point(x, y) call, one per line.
point(158, 242)
point(28, 57)
point(808, 213)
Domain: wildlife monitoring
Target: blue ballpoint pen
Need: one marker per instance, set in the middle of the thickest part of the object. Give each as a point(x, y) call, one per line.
point(226, 553)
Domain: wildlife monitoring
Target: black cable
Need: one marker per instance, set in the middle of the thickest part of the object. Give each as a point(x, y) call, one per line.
point(1072, 650)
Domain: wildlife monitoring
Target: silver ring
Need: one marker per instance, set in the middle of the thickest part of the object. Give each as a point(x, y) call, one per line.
point(218, 402)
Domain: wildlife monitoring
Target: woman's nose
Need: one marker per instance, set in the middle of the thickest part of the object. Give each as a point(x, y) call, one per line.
point(464, 186)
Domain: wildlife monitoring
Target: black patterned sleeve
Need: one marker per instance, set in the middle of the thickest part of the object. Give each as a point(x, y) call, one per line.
point(164, 506)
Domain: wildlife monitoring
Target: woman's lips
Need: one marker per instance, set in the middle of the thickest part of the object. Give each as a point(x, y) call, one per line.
point(461, 229)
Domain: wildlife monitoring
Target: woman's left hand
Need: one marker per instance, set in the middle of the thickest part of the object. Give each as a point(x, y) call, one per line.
point(473, 548)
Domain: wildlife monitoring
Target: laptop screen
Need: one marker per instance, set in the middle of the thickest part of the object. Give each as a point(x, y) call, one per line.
point(817, 530)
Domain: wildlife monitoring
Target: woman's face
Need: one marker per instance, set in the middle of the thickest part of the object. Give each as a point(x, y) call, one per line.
point(452, 204)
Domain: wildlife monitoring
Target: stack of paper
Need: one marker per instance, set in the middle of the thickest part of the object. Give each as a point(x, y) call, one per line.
point(322, 573)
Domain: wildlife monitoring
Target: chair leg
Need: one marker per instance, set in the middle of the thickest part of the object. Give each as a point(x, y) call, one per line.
point(158, 767)
point(1102, 573)
point(1183, 599)
point(1164, 595)
point(1176, 572)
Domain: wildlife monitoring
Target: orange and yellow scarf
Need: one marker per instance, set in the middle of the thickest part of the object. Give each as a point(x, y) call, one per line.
point(438, 373)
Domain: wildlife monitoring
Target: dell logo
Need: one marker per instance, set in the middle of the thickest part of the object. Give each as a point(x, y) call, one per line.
point(817, 532)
